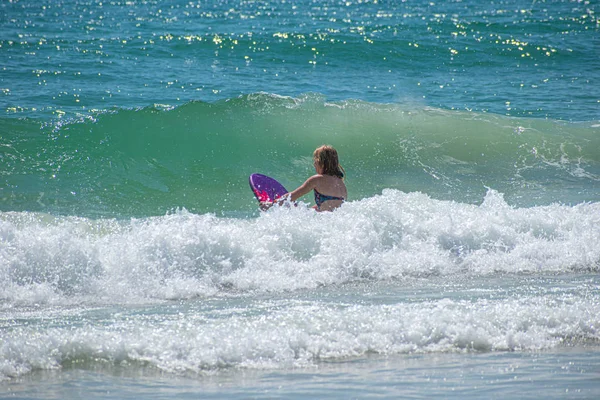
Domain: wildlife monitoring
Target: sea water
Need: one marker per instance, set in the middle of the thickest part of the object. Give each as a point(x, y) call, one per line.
point(134, 262)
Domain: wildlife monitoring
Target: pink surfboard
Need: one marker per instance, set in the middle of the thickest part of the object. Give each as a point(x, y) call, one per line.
point(266, 188)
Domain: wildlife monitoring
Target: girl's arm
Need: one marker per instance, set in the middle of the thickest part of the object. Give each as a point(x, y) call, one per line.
point(306, 187)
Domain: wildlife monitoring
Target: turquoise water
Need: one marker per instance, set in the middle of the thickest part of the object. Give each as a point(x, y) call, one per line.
point(199, 155)
point(134, 262)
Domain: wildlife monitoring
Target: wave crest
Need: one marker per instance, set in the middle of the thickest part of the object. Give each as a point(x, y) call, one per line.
point(395, 235)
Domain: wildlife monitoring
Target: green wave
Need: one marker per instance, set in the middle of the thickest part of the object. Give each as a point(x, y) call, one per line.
point(198, 156)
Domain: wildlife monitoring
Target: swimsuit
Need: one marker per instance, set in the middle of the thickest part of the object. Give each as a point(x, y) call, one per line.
point(321, 198)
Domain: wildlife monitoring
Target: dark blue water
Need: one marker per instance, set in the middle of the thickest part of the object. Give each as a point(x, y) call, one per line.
point(521, 58)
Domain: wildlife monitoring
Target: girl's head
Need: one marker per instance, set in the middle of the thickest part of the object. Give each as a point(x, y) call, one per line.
point(326, 157)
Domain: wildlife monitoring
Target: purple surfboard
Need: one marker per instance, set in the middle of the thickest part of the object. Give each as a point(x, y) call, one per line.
point(266, 188)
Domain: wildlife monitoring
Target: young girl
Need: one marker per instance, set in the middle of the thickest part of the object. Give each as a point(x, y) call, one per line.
point(328, 183)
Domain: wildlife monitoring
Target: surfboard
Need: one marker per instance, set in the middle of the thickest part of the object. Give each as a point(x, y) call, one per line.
point(266, 188)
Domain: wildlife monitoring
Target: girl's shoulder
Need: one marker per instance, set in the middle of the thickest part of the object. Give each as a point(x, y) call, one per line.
point(317, 177)
point(313, 181)
point(321, 179)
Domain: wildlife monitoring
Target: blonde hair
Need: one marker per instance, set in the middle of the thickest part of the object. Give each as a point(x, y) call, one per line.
point(327, 158)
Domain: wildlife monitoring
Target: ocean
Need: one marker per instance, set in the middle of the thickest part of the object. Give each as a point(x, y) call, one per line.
point(134, 262)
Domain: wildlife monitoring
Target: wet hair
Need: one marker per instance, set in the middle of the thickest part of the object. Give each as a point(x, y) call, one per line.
point(327, 158)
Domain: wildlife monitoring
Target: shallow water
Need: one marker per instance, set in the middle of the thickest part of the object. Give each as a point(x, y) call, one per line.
point(452, 336)
point(570, 373)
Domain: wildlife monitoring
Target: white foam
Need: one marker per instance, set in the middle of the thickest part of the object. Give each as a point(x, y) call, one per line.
point(288, 334)
point(51, 260)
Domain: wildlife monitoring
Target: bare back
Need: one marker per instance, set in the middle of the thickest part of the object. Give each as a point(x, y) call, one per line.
point(330, 192)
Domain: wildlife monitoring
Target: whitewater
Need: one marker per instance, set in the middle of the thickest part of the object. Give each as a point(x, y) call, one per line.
point(394, 236)
point(195, 294)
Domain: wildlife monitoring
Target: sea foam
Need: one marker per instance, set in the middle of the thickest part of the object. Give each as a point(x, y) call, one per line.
point(295, 333)
point(395, 235)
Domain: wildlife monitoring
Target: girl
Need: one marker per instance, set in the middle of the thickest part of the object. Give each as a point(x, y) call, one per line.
point(328, 183)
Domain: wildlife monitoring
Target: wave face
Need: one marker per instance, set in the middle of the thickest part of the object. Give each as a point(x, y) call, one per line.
point(390, 237)
point(198, 156)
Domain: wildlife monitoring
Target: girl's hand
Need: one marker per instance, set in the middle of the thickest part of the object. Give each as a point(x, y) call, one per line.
point(265, 205)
